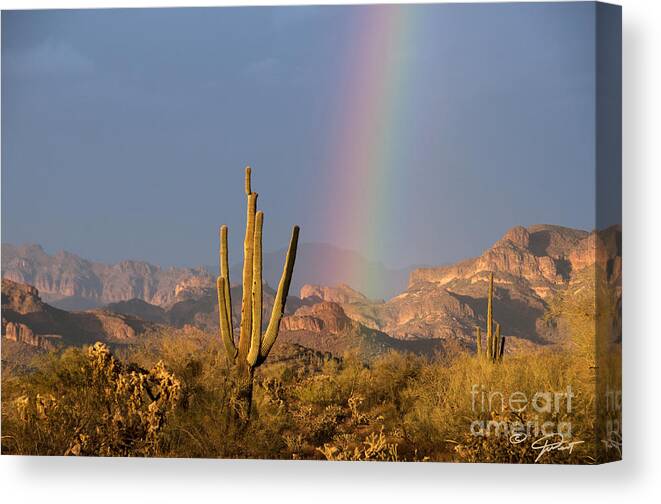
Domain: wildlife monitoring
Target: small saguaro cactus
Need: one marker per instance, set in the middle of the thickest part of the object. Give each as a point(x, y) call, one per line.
point(253, 346)
point(494, 347)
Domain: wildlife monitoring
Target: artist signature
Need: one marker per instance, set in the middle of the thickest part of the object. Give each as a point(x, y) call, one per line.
point(555, 441)
point(614, 440)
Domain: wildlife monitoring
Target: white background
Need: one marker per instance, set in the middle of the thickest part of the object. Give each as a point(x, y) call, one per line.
point(636, 479)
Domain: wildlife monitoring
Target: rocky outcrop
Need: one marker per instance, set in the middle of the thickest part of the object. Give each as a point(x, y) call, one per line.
point(302, 323)
point(15, 331)
point(340, 294)
point(325, 315)
point(539, 255)
point(602, 248)
point(194, 287)
point(542, 257)
point(21, 298)
point(325, 327)
point(27, 319)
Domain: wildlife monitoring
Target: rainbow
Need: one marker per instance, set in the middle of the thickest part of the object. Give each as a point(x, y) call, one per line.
point(370, 107)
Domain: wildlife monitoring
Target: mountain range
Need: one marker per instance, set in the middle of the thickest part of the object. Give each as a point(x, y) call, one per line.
point(436, 310)
point(70, 282)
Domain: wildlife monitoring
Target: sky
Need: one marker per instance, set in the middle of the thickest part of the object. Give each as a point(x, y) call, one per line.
point(410, 134)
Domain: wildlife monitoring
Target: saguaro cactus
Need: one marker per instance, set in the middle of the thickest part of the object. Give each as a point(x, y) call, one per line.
point(495, 343)
point(253, 346)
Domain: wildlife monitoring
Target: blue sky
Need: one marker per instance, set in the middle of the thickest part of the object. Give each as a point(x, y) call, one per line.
point(125, 132)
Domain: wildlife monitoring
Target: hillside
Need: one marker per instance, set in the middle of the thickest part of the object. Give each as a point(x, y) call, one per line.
point(27, 319)
point(530, 265)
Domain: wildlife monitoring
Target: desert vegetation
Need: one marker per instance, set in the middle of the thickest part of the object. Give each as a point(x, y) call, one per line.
point(172, 396)
point(494, 346)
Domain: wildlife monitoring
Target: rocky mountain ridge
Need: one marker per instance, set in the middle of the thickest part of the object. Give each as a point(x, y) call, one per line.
point(74, 283)
point(529, 264)
point(439, 308)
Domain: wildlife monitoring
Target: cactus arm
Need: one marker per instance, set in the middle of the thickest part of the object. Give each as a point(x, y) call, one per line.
point(490, 319)
point(478, 335)
point(246, 299)
point(496, 347)
point(502, 348)
point(489, 345)
point(224, 320)
point(257, 296)
point(280, 297)
point(225, 273)
point(248, 189)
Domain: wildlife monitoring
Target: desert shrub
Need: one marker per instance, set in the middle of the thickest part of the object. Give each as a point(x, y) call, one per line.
point(342, 405)
point(334, 384)
point(85, 402)
point(375, 447)
point(200, 424)
point(388, 377)
point(396, 407)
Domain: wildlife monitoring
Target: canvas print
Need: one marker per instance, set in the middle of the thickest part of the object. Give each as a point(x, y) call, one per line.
point(338, 233)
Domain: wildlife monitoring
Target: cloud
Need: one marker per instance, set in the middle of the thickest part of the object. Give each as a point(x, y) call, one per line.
point(47, 58)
